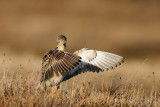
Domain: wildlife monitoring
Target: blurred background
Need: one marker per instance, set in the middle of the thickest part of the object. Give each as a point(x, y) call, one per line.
point(130, 28)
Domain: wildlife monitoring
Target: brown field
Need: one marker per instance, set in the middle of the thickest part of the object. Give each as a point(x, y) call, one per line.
point(130, 28)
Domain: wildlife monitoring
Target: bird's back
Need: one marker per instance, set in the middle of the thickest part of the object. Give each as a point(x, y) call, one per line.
point(56, 64)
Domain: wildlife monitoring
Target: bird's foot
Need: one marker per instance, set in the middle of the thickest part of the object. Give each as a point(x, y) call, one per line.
point(57, 93)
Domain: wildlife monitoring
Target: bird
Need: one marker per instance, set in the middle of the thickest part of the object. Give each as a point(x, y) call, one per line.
point(59, 65)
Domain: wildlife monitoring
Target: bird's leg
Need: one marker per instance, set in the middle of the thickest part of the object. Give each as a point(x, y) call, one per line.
point(48, 90)
point(57, 93)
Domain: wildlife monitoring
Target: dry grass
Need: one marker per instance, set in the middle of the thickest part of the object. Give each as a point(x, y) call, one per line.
point(19, 75)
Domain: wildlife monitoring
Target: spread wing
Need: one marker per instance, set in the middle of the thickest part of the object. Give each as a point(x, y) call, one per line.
point(95, 61)
point(103, 60)
point(58, 62)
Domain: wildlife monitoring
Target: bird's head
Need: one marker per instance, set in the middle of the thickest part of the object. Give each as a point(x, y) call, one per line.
point(61, 42)
point(61, 39)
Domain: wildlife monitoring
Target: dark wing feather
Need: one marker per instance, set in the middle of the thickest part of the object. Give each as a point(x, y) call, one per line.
point(80, 70)
point(58, 62)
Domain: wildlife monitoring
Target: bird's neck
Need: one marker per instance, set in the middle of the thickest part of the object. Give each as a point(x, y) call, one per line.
point(61, 47)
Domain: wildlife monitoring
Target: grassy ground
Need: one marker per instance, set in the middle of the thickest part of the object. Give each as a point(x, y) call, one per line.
point(134, 83)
